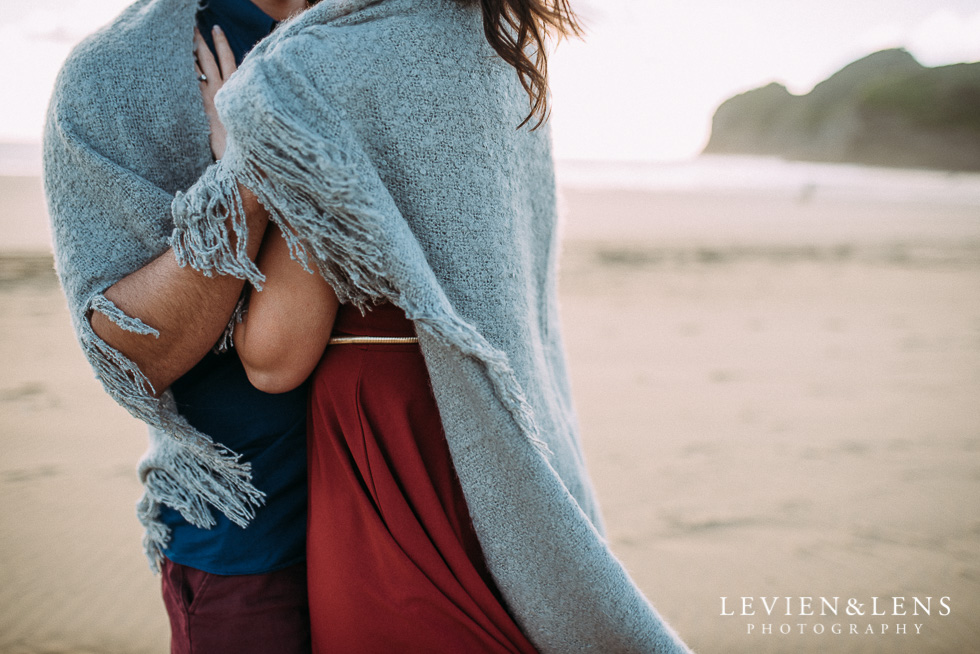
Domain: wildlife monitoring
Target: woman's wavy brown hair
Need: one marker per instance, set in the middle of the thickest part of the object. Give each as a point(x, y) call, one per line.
point(517, 30)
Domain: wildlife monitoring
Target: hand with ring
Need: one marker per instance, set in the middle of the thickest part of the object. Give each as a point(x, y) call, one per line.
point(212, 76)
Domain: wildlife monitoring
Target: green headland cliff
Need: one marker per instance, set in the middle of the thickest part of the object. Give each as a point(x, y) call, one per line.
point(885, 109)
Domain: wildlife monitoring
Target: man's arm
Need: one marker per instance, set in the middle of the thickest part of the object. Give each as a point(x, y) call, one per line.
point(189, 309)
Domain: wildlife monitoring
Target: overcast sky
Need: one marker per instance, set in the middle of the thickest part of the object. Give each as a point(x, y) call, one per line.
point(643, 85)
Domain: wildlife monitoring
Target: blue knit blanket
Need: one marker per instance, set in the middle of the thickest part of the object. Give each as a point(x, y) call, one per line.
point(382, 136)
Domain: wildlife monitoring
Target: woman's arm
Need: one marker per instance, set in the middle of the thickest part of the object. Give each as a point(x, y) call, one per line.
point(288, 323)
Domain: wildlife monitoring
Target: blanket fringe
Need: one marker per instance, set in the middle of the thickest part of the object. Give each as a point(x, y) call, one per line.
point(332, 221)
point(184, 469)
point(156, 535)
point(499, 371)
point(107, 307)
point(219, 243)
point(227, 340)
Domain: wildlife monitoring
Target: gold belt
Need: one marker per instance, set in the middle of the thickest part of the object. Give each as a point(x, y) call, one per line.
point(358, 340)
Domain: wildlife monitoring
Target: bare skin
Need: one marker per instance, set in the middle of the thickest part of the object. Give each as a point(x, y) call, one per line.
point(283, 335)
point(280, 10)
point(288, 324)
point(189, 309)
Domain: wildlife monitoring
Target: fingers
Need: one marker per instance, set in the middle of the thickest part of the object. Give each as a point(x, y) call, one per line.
point(226, 58)
point(212, 78)
point(205, 60)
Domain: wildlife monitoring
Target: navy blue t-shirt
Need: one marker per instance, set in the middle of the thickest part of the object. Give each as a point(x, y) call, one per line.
point(269, 431)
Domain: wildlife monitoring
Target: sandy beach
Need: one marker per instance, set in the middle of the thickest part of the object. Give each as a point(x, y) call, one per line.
point(778, 396)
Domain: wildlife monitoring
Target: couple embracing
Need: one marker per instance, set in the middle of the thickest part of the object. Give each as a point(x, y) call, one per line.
point(331, 297)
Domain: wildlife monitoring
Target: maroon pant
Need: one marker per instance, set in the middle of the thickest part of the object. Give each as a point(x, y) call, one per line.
point(240, 614)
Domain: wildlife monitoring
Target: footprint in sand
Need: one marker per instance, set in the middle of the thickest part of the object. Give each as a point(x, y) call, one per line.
point(29, 474)
point(35, 394)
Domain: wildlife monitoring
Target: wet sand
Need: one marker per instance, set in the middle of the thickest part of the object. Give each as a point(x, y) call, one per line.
point(778, 397)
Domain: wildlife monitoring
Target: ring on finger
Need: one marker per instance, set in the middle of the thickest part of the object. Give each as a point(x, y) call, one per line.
point(202, 78)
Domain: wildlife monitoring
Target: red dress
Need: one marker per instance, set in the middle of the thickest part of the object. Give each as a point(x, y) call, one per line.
point(393, 562)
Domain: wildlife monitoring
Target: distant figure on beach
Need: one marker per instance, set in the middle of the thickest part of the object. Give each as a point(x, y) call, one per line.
point(126, 130)
point(380, 173)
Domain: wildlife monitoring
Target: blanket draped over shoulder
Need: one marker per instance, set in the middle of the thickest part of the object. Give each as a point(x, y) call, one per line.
point(381, 136)
point(125, 131)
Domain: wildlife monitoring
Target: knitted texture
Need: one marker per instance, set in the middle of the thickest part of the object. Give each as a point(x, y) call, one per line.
point(382, 138)
point(126, 130)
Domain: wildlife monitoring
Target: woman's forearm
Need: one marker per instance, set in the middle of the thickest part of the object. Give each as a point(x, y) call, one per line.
point(288, 323)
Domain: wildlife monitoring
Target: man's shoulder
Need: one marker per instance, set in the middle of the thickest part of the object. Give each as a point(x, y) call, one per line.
point(146, 35)
point(128, 94)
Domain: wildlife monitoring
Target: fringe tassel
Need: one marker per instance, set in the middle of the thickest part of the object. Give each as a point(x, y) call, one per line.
point(106, 307)
point(227, 340)
point(184, 469)
point(340, 215)
point(214, 245)
point(156, 535)
point(499, 371)
point(334, 221)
